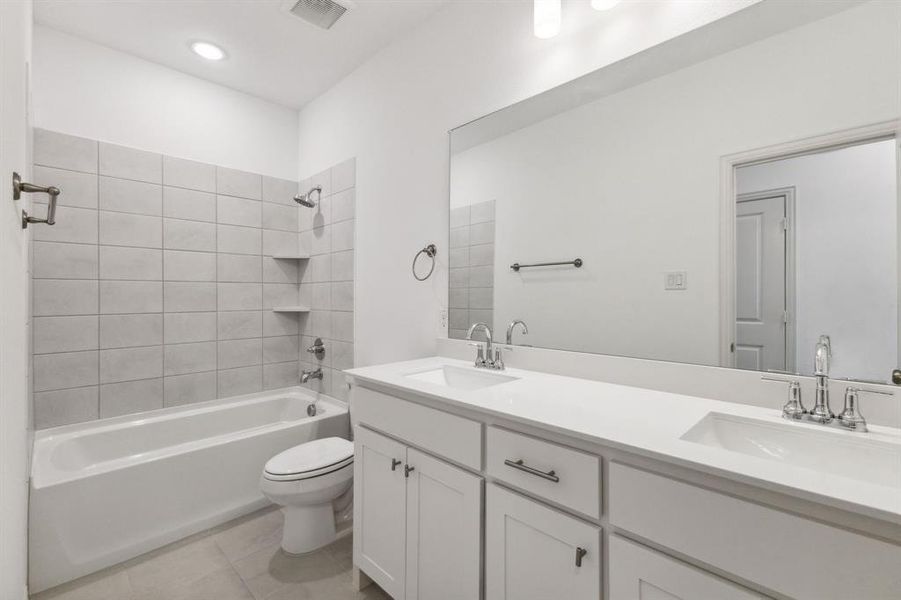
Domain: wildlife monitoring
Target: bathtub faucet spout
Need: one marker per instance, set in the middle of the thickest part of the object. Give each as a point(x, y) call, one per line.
point(305, 376)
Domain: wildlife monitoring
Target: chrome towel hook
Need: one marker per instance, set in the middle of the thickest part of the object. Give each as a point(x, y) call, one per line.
point(20, 186)
point(431, 251)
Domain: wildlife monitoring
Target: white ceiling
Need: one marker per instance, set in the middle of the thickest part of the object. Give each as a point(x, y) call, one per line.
point(271, 53)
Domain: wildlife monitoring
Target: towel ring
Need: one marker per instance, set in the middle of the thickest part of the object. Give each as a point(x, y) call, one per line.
point(431, 251)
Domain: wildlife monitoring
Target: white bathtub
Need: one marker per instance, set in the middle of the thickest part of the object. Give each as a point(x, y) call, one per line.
point(106, 491)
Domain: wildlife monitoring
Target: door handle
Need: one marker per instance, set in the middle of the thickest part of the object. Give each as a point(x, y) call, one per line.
point(580, 552)
point(394, 463)
point(20, 187)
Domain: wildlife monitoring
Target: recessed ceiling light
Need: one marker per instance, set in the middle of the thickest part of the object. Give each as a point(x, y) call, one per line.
point(208, 51)
point(603, 4)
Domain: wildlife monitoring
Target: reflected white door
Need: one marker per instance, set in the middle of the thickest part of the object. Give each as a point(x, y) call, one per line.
point(760, 280)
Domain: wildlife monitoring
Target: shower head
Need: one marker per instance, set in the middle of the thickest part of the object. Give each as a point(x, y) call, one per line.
point(306, 199)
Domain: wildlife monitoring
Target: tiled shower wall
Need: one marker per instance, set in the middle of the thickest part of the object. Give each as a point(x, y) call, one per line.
point(471, 263)
point(155, 287)
point(327, 286)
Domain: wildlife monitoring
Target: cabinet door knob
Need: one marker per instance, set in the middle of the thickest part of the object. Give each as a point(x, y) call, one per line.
point(580, 552)
point(394, 463)
point(408, 469)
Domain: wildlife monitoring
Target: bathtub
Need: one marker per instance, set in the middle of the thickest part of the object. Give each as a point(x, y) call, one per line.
point(106, 491)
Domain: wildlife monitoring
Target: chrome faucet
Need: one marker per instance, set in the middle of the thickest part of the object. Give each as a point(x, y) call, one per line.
point(821, 411)
point(305, 376)
point(512, 326)
point(487, 357)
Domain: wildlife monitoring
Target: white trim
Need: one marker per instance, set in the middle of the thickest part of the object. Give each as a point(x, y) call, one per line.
point(791, 301)
point(728, 164)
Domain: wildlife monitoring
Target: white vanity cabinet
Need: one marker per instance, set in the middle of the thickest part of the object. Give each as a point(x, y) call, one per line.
point(533, 552)
point(418, 521)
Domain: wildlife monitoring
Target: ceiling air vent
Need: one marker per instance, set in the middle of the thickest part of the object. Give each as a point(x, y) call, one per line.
point(321, 13)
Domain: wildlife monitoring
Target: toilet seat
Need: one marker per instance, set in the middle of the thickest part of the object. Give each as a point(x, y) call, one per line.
point(309, 460)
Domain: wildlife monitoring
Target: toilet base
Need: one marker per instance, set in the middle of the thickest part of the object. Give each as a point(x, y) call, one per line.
point(308, 528)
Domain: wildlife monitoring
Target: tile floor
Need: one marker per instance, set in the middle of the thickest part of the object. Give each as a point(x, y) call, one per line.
point(240, 560)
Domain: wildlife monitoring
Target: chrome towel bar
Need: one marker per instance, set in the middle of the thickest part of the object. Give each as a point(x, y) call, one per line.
point(20, 186)
point(576, 263)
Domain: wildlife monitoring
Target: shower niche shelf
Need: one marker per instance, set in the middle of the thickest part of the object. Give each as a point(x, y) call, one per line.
point(297, 308)
point(298, 256)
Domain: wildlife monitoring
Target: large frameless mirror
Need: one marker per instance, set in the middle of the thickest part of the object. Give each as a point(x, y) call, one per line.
point(726, 198)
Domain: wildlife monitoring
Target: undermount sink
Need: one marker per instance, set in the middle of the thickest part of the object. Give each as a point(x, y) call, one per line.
point(827, 451)
point(460, 378)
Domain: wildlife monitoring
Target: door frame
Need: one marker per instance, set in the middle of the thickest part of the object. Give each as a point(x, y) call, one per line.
point(727, 206)
point(790, 257)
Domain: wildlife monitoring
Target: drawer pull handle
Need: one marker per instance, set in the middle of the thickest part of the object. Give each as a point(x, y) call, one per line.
point(518, 464)
point(395, 463)
point(408, 469)
point(580, 552)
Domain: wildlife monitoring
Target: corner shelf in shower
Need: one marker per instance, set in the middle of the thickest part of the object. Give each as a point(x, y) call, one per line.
point(291, 309)
point(291, 256)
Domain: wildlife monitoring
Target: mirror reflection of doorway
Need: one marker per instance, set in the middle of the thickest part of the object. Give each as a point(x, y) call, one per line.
point(764, 299)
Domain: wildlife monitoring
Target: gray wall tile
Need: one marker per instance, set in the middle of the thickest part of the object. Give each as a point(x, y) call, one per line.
point(343, 205)
point(64, 261)
point(120, 262)
point(238, 240)
point(343, 266)
point(130, 397)
point(180, 328)
point(279, 216)
point(280, 191)
point(129, 364)
point(280, 271)
point(241, 324)
point(74, 225)
point(240, 353)
point(52, 149)
point(123, 297)
point(324, 180)
point(343, 295)
point(65, 370)
point(189, 358)
point(130, 163)
point(64, 407)
point(76, 189)
point(179, 265)
point(279, 294)
point(65, 297)
point(183, 173)
point(246, 380)
point(459, 216)
point(65, 334)
point(482, 255)
point(182, 296)
point(124, 331)
point(231, 182)
point(240, 296)
point(239, 268)
point(344, 175)
point(343, 236)
point(189, 235)
point(343, 326)
point(481, 233)
point(281, 349)
point(280, 375)
point(124, 195)
point(479, 213)
point(190, 388)
point(281, 323)
point(279, 242)
point(122, 229)
point(459, 237)
point(238, 211)
point(189, 204)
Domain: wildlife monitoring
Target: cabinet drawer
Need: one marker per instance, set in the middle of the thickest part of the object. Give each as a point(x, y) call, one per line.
point(639, 572)
point(527, 463)
point(786, 553)
point(447, 435)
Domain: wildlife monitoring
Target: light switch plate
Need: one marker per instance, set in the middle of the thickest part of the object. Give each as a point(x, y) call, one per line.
point(675, 280)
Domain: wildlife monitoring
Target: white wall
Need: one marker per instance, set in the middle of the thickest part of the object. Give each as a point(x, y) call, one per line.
point(393, 114)
point(15, 422)
point(630, 183)
point(846, 253)
point(92, 91)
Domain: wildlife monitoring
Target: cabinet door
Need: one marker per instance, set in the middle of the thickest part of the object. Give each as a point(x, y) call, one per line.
point(379, 509)
point(639, 573)
point(531, 551)
point(444, 530)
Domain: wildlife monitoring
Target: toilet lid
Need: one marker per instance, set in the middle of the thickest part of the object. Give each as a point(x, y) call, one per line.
point(311, 456)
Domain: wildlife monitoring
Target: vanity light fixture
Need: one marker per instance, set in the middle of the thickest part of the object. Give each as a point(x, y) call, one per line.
point(548, 17)
point(208, 51)
point(604, 4)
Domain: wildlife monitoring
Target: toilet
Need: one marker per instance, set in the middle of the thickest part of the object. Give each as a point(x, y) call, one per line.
point(306, 481)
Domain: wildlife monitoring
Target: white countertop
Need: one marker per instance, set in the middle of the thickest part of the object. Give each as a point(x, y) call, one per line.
point(648, 423)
